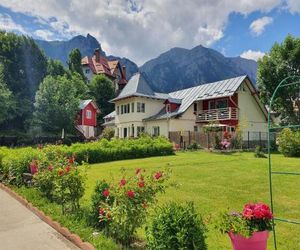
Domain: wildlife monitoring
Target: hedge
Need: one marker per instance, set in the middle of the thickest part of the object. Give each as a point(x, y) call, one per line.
point(15, 162)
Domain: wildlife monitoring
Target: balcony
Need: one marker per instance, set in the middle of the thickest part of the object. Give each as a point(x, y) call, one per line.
point(217, 114)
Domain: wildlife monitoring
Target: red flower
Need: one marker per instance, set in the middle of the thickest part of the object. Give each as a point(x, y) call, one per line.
point(137, 171)
point(60, 172)
point(257, 211)
point(67, 169)
point(145, 205)
point(158, 175)
point(130, 193)
point(71, 160)
point(122, 182)
point(141, 184)
point(34, 168)
point(105, 192)
point(50, 168)
point(101, 211)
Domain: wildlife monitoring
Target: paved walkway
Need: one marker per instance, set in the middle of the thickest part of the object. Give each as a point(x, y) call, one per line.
point(22, 229)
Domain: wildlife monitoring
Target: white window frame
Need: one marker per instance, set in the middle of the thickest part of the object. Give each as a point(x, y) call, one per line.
point(88, 114)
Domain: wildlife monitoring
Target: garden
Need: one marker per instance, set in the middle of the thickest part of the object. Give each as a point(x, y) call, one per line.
point(122, 199)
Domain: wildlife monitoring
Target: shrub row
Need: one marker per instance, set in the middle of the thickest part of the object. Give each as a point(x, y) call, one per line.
point(289, 143)
point(15, 162)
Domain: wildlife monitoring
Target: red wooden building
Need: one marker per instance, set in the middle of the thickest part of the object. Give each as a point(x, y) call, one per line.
point(86, 121)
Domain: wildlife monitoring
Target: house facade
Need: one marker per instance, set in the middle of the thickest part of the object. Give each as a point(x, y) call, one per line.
point(99, 64)
point(86, 120)
point(225, 104)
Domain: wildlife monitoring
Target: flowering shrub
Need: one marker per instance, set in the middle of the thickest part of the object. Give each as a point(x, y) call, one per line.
point(175, 227)
point(254, 218)
point(60, 181)
point(127, 201)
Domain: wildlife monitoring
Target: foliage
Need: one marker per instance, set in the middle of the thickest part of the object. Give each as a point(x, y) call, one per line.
point(119, 149)
point(259, 152)
point(59, 180)
point(131, 197)
point(74, 62)
point(25, 67)
point(55, 68)
point(282, 61)
point(194, 146)
point(176, 226)
point(254, 218)
point(108, 133)
point(217, 143)
point(289, 143)
point(57, 102)
point(102, 90)
point(97, 200)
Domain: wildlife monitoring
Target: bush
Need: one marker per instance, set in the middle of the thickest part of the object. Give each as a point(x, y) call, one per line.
point(217, 144)
point(194, 146)
point(259, 152)
point(176, 227)
point(108, 133)
point(125, 208)
point(97, 203)
point(289, 143)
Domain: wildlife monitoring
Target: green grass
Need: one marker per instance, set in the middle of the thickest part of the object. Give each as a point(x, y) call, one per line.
point(215, 182)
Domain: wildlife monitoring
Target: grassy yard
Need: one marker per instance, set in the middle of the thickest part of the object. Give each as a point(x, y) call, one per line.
point(214, 182)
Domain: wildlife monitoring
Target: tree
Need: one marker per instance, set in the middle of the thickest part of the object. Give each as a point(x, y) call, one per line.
point(25, 66)
point(7, 110)
point(101, 89)
point(57, 102)
point(74, 62)
point(55, 68)
point(282, 61)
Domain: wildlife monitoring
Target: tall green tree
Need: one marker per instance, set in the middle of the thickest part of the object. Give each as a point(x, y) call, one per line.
point(55, 68)
point(101, 89)
point(8, 105)
point(74, 62)
point(282, 61)
point(57, 103)
point(25, 66)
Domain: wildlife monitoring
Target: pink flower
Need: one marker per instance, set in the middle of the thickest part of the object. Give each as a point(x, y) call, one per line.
point(60, 172)
point(141, 184)
point(130, 194)
point(101, 211)
point(50, 168)
point(105, 192)
point(122, 183)
point(67, 169)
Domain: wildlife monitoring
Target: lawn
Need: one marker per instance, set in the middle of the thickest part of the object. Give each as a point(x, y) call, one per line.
point(216, 182)
point(213, 181)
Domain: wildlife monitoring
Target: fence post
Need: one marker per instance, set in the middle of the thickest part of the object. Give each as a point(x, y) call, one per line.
point(260, 138)
point(248, 139)
point(189, 137)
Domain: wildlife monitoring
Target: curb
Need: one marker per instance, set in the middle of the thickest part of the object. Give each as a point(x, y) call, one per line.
point(74, 238)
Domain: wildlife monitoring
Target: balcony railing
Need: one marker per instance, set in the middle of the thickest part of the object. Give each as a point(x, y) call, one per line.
point(217, 114)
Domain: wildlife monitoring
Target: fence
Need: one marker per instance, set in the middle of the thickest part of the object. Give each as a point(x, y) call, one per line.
point(249, 140)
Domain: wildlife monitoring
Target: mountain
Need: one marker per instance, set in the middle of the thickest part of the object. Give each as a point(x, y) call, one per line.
point(181, 68)
point(175, 69)
point(60, 50)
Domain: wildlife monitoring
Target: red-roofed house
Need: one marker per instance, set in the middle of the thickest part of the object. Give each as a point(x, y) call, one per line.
point(86, 121)
point(99, 64)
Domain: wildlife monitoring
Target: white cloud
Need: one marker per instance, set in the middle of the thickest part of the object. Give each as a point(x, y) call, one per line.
point(6, 23)
point(44, 34)
point(254, 55)
point(259, 25)
point(293, 6)
point(142, 29)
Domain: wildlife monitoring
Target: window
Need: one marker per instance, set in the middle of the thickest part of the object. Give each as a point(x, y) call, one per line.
point(140, 130)
point(195, 107)
point(122, 109)
point(132, 107)
point(211, 105)
point(168, 107)
point(124, 132)
point(132, 130)
point(89, 114)
point(156, 131)
point(128, 108)
point(195, 128)
point(118, 110)
point(230, 129)
point(140, 107)
point(87, 71)
point(221, 104)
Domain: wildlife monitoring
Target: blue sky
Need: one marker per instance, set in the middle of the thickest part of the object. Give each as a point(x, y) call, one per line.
point(143, 29)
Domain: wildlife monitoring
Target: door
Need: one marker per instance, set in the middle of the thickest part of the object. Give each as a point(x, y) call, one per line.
point(125, 132)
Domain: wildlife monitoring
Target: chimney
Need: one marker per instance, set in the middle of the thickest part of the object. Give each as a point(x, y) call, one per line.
point(124, 71)
point(97, 54)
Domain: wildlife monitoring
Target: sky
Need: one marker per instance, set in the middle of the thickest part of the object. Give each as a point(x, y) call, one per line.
point(143, 29)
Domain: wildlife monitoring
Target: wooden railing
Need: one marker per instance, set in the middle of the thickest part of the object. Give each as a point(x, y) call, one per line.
point(217, 114)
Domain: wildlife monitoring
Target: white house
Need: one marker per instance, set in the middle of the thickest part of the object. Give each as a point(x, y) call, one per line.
point(226, 103)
